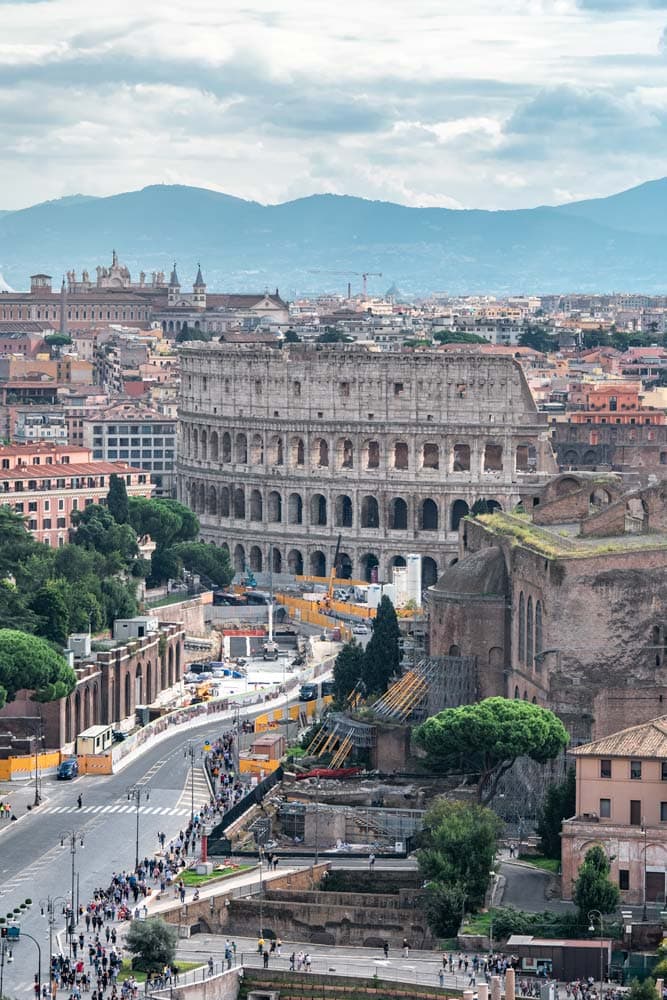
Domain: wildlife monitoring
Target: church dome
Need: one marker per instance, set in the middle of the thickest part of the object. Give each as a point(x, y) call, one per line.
point(481, 574)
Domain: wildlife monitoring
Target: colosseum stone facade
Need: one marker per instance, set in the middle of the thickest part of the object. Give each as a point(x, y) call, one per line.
point(282, 451)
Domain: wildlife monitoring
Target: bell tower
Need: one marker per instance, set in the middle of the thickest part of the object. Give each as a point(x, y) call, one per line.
point(174, 288)
point(199, 290)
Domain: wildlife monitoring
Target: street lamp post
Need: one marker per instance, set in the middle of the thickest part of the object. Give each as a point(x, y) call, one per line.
point(261, 890)
point(39, 960)
point(136, 793)
point(596, 915)
point(317, 821)
point(75, 838)
point(191, 752)
point(48, 909)
point(6, 955)
point(644, 913)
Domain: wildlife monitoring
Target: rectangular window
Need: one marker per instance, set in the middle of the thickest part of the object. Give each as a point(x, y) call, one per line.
point(635, 812)
point(636, 770)
point(61, 505)
point(18, 507)
point(605, 769)
point(605, 808)
point(61, 522)
point(663, 812)
point(663, 770)
point(623, 879)
point(47, 505)
point(46, 523)
point(398, 388)
point(32, 506)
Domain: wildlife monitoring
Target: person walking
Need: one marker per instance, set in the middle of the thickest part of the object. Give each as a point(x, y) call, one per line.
point(406, 948)
point(441, 977)
point(265, 956)
point(210, 965)
point(385, 948)
point(371, 861)
point(79, 801)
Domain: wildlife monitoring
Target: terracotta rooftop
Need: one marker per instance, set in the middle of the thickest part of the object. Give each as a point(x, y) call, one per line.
point(649, 740)
point(66, 469)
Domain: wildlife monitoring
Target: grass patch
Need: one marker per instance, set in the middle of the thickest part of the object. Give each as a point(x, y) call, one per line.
point(477, 923)
point(191, 878)
point(126, 970)
point(539, 861)
point(160, 602)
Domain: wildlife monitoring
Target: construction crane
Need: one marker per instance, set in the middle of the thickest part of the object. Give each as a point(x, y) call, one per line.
point(333, 574)
point(364, 275)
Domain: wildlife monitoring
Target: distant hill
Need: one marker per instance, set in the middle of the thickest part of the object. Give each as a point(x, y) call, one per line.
point(614, 243)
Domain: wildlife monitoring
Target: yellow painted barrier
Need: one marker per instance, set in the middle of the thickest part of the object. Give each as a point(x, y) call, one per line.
point(95, 763)
point(25, 764)
point(259, 767)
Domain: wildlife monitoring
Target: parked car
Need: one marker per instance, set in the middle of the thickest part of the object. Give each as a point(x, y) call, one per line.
point(68, 769)
point(360, 629)
point(118, 735)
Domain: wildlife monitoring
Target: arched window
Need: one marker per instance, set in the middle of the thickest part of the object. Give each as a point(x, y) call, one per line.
point(224, 501)
point(241, 449)
point(369, 564)
point(195, 443)
point(295, 509)
point(526, 458)
point(343, 512)
point(276, 451)
point(398, 514)
point(345, 453)
point(275, 506)
point(530, 633)
point(370, 513)
point(297, 451)
point(276, 560)
point(203, 443)
point(539, 640)
point(429, 571)
point(493, 458)
point(212, 504)
point(372, 450)
point(256, 559)
point(461, 458)
point(239, 559)
point(401, 455)
point(213, 446)
point(320, 452)
point(429, 516)
point(431, 456)
point(295, 562)
point(517, 693)
point(318, 564)
point(239, 503)
point(460, 510)
point(256, 506)
point(318, 509)
point(522, 628)
point(257, 450)
point(226, 447)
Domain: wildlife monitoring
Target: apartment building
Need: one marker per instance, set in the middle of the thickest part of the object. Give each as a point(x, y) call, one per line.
point(130, 432)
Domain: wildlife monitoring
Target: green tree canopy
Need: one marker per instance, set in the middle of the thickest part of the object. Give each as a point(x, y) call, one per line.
point(348, 670)
point(559, 804)
point(292, 337)
point(538, 338)
point(593, 889)
point(458, 337)
point(382, 657)
point(96, 528)
point(29, 662)
point(166, 521)
point(152, 942)
point(51, 605)
point(207, 560)
point(117, 502)
point(486, 738)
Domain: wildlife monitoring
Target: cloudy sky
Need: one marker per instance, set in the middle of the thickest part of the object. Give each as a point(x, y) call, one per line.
point(470, 103)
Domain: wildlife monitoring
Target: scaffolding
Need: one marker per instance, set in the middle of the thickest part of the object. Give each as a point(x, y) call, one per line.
point(434, 684)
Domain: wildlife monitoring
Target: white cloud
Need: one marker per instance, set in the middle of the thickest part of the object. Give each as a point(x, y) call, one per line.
point(490, 103)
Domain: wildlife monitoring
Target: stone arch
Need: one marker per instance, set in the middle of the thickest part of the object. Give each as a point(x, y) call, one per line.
point(318, 563)
point(297, 451)
point(203, 443)
point(275, 507)
point(163, 673)
point(430, 456)
point(345, 453)
point(397, 561)
point(429, 571)
point(226, 447)
point(454, 650)
point(295, 509)
point(460, 510)
point(241, 448)
point(401, 455)
point(201, 499)
point(371, 454)
point(318, 509)
point(429, 516)
point(369, 567)
point(214, 447)
point(568, 484)
point(223, 501)
point(256, 506)
point(212, 501)
point(276, 450)
point(344, 566)
point(589, 458)
point(370, 512)
point(599, 498)
point(295, 562)
point(320, 452)
point(530, 632)
point(517, 693)
point(256, 450)
point(276, 560)
point(398, 514)
point(239, 503)
point(539, 635)
point(239, 559)
point(138, 685)
point(526, 458)
point(255, 558)
point(149, 683)
point(86, 707)
point(522, 628)
point(493, 457)
point(170, 666)
point(128, 695)
point(570, 458)
point(195, 443)
point(461, 458)
point(343, 511)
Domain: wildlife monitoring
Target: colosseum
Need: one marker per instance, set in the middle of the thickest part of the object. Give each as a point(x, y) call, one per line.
point(282, 450)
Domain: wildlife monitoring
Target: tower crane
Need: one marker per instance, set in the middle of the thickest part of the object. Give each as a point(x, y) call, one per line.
point(364, 275)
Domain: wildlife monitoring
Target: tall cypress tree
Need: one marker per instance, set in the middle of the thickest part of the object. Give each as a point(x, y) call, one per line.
point(382, 658)
point(117, 502)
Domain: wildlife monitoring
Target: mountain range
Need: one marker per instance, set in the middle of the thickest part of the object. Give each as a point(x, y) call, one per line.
point(321, 242)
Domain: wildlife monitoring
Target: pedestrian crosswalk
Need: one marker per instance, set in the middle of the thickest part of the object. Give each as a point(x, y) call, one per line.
point(117, 808)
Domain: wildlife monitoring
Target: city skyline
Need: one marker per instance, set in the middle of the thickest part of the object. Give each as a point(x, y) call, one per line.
point(502, 105)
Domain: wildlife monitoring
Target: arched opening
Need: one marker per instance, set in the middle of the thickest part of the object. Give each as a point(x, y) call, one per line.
point(318, 563)
point(256, 506)
point(239, 503)
point(460, 510)
point(370, 513)
point(526, 458)
point(149, 682)
point(398, 514)
point(86, 707)
point(525, 696)
point(369, 567)
point(276, 560)
point(195, 443)
point(138, 686)
point(397, 561)
point(223, 501)
point(256, 559)
point(570, 458)
point(201, 499)
point(212, 501)
point(128, 696)
point(256, 450)
point(297, 451)
point(295, 562)
point(431, 456)
point(226, 447)
point(493, 458)
point(344, 567)
point(461, 458)
point(170, 666)
point(239, 559)
point(203, 444)
point(276, 456)
point(213, 446)
point(429, 516)
point(320, 452)
point(401, 455)
point(345, 453)
point(522, 628)
point(454, 650)
point(372, 454)
point(599, 498)
point(539, 640)
point(567, 485)
point(163, 674)
point(530, 634)
point(275, 507)
point(429, 571)
point(318, 509)
point(241, 449)
point(517, 693)
point(343, 512)
point(295, 509)
point(589, 458)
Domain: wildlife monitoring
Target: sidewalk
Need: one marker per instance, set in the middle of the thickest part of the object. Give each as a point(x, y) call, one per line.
point(21, 797)
point(246, 880)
